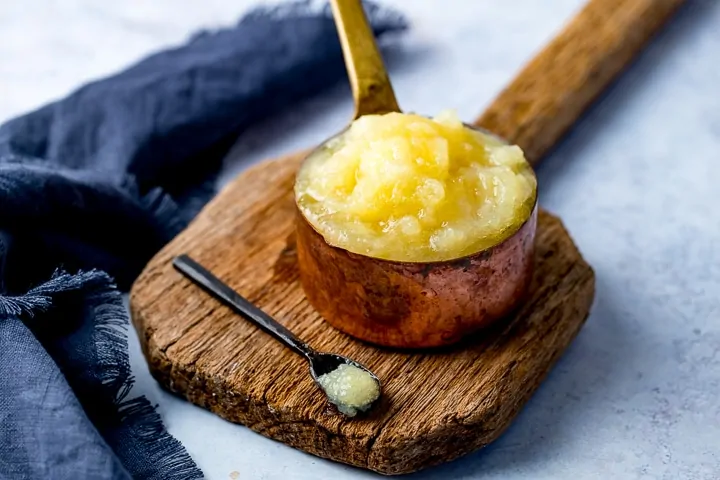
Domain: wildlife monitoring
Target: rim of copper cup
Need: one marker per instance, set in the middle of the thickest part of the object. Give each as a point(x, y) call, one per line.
point(422, 262)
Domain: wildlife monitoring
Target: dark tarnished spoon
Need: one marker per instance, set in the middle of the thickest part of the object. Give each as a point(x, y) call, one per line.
point(320, 363)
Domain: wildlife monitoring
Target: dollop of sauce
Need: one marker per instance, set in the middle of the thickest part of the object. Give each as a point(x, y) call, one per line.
point(350, 389)
point(408, 188)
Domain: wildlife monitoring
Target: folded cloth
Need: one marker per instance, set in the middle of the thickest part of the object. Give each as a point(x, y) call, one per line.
point(90, 187)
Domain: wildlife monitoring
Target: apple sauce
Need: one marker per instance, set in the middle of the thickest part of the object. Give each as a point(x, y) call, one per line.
point(408, 188)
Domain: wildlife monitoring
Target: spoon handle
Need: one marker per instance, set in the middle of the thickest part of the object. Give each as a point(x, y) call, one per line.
point(237, 302)
point(370, 83)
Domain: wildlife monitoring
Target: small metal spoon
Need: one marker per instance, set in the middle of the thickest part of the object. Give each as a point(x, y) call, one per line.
point(320, 363)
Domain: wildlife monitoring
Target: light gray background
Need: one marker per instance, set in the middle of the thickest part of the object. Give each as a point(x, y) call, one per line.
point(636, 395)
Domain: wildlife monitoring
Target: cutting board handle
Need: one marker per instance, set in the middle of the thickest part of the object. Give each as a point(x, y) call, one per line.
point(551, 92)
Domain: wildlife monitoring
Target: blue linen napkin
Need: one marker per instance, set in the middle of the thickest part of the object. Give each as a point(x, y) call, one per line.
point(90, 187)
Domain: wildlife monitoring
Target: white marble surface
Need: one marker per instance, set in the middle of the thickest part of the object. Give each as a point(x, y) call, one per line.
point(637, 394)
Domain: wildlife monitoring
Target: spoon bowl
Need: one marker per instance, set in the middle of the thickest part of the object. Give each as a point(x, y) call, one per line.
point(322, 363)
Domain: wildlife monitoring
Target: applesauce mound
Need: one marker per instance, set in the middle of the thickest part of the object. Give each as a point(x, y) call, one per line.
point(408, 188)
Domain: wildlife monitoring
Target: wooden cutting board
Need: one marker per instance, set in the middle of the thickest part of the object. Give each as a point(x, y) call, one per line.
point(437, 405)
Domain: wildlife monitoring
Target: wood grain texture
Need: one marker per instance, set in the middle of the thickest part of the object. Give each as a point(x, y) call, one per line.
point(436, 406)
point(561, 81)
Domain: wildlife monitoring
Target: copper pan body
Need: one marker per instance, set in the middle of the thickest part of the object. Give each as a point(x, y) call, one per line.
point(414, 305)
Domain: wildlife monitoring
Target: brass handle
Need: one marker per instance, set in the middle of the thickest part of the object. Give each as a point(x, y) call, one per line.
point(369, 80)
